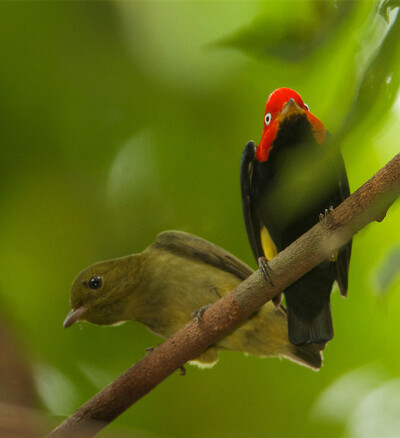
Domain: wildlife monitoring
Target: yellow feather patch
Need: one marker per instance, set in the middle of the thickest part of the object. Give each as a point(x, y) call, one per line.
point(268, 244)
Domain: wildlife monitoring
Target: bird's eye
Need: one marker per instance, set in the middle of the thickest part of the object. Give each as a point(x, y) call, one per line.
point(268, 118)
point(308, 109)
point(95, 282)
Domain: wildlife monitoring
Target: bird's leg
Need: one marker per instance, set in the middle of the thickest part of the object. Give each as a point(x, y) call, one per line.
point(198, 314)
point(323, 217)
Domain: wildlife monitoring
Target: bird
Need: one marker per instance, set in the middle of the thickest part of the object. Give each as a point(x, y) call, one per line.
point(171, 279)
point(289, 182)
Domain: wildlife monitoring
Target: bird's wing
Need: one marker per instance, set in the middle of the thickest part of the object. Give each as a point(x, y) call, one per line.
point(250, 218)
point(342, 266)
point(191, 246)
point(342, 192)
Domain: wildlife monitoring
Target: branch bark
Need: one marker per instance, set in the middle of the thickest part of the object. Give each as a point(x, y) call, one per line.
point(370, 202)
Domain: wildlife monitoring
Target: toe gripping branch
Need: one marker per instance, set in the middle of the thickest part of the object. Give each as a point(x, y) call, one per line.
point(267, 273)
point(198, 314)
point(323, 217)
point(265, 269)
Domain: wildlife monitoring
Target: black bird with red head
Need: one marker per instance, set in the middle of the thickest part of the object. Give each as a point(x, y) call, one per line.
point(295, 174)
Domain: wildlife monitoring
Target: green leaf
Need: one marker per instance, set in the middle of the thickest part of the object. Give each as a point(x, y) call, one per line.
point(387, 271)
point(379, 83)
point(305, 28)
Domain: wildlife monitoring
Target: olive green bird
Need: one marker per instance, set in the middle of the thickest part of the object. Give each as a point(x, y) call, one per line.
point(162, 287)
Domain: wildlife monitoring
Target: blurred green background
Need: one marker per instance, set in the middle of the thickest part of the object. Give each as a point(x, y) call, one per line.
point(119, 120)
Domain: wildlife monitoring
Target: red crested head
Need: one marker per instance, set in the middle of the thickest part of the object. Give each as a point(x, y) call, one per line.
point(283, 103)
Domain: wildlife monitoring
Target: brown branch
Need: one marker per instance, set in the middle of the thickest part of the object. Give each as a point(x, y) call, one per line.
point(370, 202)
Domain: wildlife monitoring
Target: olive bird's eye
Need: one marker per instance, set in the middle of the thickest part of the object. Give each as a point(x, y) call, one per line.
point(95, 282)
point(268, 118)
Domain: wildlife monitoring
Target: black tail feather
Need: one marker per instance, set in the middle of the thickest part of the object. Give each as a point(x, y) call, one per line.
point(305, 331)
point(307, 355)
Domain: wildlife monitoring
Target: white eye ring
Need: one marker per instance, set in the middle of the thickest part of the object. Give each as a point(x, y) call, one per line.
point(267, 119)
point(308, 109)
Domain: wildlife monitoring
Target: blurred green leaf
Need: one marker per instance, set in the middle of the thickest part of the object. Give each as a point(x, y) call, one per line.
point(379, 83)
point(386, 7)
point(304, 28)
point(387, 271)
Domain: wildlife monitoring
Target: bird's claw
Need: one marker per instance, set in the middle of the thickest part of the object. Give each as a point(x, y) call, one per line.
point(323, 217)
point(198, 314)
point(149, 350)
point(265, 269)
point(182, 371)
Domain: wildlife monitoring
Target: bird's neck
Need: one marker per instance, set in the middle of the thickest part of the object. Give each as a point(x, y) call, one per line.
point(293, 132)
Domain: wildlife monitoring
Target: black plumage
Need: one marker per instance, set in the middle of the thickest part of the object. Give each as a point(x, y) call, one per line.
point(285, 195)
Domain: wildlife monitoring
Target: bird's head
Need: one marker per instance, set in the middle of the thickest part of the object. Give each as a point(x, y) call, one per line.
point(99, 292)
point(283, 105)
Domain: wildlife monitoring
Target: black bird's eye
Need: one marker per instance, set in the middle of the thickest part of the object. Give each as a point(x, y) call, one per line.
point(267, 119)
point(95, 282)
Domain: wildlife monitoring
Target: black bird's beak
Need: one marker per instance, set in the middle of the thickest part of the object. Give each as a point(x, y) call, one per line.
point(74, 315)
point(291, 108)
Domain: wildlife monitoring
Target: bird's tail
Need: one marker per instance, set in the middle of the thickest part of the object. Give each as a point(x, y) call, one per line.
point(317, 330)
point(307, 355)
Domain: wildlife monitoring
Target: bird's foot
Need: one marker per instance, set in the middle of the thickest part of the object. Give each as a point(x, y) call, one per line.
point(198, 314)
point(265, 269)
point(323, 217)
point(149, 350)
point(182, 371)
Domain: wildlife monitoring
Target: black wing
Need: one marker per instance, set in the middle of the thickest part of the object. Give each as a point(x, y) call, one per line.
point(251, 220)
point(343, 191)
point(342, 266)
point(192, 246)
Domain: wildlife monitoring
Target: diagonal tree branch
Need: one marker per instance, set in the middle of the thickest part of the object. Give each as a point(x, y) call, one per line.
point(370, 202)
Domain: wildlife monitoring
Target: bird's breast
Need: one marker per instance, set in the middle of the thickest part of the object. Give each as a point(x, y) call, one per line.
point(289, 188)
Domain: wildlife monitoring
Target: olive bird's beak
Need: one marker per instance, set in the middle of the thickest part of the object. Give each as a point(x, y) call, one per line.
point(75, 315)
point(291, 108)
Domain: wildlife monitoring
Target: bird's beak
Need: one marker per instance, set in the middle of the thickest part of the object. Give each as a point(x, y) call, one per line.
point(291, 108)
point(75, 315)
